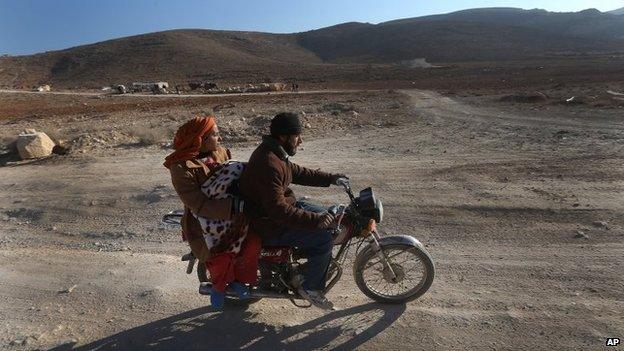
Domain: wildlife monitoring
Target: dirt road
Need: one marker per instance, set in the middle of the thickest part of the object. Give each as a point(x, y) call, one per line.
point(498, 195)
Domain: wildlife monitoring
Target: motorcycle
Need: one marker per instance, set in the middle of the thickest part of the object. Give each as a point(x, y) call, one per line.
point(387, 269)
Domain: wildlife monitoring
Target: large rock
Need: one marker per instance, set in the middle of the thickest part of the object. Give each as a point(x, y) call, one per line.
point(33, 144)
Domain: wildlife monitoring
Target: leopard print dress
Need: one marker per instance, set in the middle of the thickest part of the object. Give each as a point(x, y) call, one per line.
point(218, 233)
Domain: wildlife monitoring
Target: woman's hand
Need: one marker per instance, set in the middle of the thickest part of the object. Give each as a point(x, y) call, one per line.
point(238, 205)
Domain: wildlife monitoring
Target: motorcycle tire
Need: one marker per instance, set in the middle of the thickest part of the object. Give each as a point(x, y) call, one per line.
point(415, 292)
point(231, 301)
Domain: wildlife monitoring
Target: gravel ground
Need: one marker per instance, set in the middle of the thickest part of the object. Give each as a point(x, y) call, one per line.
point(499, 193)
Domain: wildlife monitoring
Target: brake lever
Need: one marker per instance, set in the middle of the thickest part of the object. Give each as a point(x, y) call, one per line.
point(340, 212)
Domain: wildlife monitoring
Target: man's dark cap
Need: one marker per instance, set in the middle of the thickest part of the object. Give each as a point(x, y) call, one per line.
point(285, 123)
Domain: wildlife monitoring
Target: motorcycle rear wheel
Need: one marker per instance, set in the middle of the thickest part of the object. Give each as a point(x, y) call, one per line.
point(232, 301)
point(376, 280)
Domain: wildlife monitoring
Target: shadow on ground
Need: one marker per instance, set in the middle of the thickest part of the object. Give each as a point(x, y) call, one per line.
point(202, 329)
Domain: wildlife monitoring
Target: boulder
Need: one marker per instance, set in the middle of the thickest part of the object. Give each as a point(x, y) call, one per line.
point(32, 144)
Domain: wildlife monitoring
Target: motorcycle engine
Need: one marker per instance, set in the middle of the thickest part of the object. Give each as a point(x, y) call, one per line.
point(271, 276)
point(296, 280)
point(296, 277)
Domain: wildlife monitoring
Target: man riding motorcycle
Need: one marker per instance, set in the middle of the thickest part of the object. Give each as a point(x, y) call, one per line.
point(276, 215)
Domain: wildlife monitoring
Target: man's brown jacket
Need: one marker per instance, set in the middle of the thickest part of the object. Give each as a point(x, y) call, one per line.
point(269, 202)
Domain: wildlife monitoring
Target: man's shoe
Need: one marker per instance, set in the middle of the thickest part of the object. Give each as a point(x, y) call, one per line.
point(316, 298)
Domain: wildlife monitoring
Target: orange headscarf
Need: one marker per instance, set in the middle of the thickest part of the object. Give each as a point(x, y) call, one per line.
point(188, 139)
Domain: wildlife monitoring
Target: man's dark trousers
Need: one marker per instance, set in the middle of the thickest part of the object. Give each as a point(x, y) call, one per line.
point(315, 243)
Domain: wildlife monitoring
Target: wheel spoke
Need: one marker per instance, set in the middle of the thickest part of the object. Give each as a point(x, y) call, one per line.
point(389, 258)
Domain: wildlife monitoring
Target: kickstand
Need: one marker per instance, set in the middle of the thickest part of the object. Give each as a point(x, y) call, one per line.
point(294, 302)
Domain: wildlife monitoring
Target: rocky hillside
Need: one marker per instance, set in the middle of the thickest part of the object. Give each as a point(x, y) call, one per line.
point(589, 24)
point(171, 55)
point(492, 34)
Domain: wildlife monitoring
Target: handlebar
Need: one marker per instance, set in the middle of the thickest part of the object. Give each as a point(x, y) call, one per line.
point(343, 182)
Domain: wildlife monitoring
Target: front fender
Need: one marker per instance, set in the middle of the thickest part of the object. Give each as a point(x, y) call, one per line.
point(400, 239)
point(393, 240)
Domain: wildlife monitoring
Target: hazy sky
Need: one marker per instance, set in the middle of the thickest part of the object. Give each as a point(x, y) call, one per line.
point(30, 26)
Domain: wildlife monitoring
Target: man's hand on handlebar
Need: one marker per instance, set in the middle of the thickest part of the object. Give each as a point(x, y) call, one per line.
point(336, 176)
point(327, 220)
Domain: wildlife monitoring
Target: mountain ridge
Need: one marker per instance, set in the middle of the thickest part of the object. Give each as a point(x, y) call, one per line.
point(489, 34)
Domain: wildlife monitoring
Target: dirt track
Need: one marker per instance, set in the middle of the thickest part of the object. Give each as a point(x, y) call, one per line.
point(497, 194)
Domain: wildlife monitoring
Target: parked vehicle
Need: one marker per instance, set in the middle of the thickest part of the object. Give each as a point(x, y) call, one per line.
point(154, 87)
point(120, 89)
point(116, 89)
point(194, 85)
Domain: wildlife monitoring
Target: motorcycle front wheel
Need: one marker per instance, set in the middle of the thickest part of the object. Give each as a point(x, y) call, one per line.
point(403, 273)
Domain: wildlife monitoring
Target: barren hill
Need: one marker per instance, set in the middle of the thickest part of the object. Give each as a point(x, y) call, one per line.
point(329, 53)
point(619, 11)
point(590, 23)
point(176, 54)
point(443, 41)
point(477, 34)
